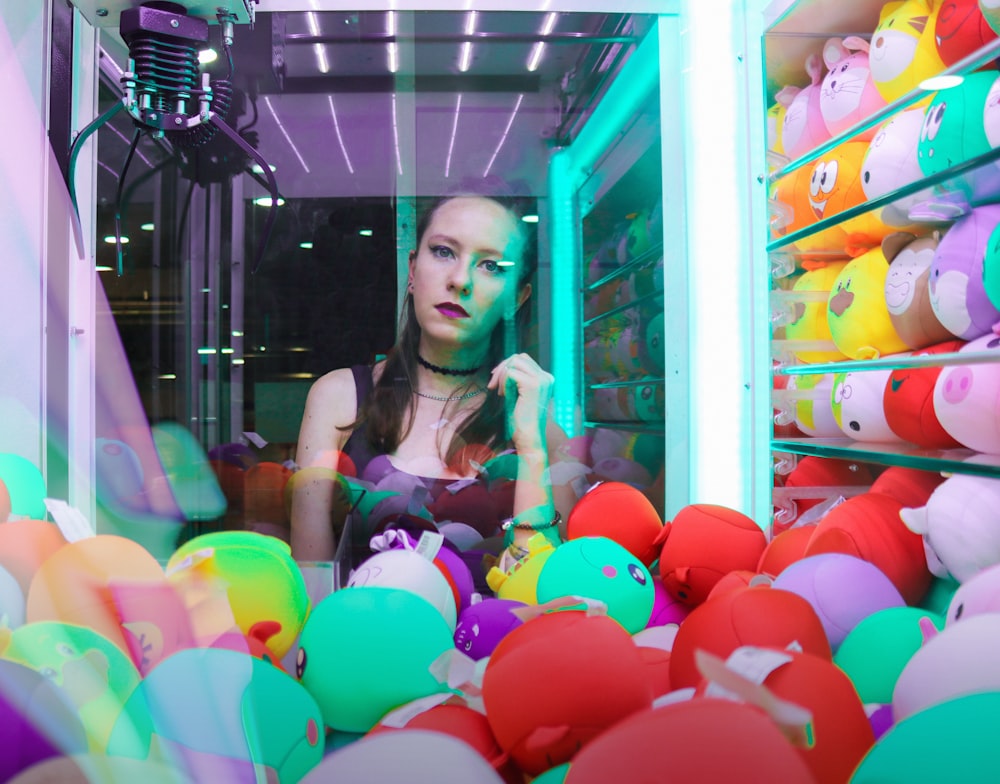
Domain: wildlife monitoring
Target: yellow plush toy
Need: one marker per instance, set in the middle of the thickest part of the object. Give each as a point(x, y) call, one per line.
point(811, 322)
point(857, 311)
point(520, 581)
point(903, 50)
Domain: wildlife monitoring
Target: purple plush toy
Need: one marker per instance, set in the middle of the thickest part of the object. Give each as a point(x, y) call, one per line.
point(958, 295)
point(842, 589)
point(481, 626)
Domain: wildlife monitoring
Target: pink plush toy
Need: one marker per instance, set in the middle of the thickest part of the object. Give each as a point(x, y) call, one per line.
point(858, 406)
point(848, 94)
point(967, 399)
point(957, 291)
point(958, 526)
point(903, 50)
point(891, 162)
point(907, 293)
point(977, 595)
point(803, 127)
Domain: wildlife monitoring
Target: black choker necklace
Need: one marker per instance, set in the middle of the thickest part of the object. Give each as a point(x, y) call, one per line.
point(447, 371)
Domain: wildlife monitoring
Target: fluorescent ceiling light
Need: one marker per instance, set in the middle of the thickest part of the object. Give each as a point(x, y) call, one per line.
point(281, 127)
point(111, 239)
point(340, 138)
point(503, 138)
point(454, 130)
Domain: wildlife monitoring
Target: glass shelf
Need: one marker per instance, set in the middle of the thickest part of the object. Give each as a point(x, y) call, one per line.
point(892, 362)
point(651, 256)
point(652, 428)
point(980, 57)
point(622, 308)
point(963, 461)
point(633, 382)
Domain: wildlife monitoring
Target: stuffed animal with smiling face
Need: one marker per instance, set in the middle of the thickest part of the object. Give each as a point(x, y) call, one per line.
point(907, 292)
point(960, 30)
point(848, 94)
point(891, 162)
point(903, 49)
point(967, 398)
point(803, 128)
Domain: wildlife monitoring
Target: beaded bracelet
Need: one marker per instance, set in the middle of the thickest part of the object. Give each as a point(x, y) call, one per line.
point(511, 524)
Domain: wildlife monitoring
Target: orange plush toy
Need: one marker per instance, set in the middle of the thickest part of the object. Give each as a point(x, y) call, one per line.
point(702, 544)
point(868, 526)
point(620, 512)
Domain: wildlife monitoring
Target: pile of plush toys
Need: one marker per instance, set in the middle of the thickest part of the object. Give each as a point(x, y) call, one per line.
point(918, 275)
point(856, 646)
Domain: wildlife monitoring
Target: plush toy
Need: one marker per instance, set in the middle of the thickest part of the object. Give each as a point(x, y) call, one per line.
point(409, 571)
point(94, 673)
point(599, 568)
point(784, 549)
point(458, 720)
point(876, 650)
point(958, 526)
point(907, 293)
point(909, 486)
point(672, 738)
point(979, 594)
point(991, 268)
point(960, 30)
point(756, 615)
point(955, 131)
point(666, 609)
point(820, 473)
point(481, 626)
point(908, 402)
point(990, 10)
point(891, 163)
point(839, 727)
point(903, 49)
point(775, 121)
point(381, 624)
point(703, 543)
point(790, 206)
point(803, 127)
point(25, 486)
point(621, 513)
point(965, 399)
point(848, 94)
point(811, 314)
point(263, 583)
point(868, 526)
point(841, 588)
point(948, 741)
point(25, 545)
point(205, 707)
point(813, 404)
point(961, 659)
point(858, 406)
point(549, 717)
point(957, 289)
point(857, 311)
point(520, 580)
point(652, 350)
point(37, 720)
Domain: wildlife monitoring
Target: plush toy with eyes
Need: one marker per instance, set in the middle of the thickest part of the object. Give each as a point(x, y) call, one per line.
point(775, 120)
point(813, 412)
point(857, 311)
point(848, 94)
point(903, 49)
point(803, 127)
point(907, 292)
point(857, 405)
point(967, 399)
point(955, 131)
point(891, 162)
point(957, 289)
point(811, 319)
point(960, 30)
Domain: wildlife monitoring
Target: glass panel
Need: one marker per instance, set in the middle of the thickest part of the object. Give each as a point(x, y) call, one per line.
point(230, 303)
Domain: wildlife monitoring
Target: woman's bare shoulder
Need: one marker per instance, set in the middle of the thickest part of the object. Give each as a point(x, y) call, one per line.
point(333, 398)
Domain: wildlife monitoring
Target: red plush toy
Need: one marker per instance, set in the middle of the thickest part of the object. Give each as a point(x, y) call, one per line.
point(841, 731)
point(762, 616)
point(701, 740)
point(703, 543)
point(820, 473)
point(619, 512)
point(908, 401)
point(558, 681)
point(960, 30)
point(909, 486)
point(784, 549)
point(868, 526)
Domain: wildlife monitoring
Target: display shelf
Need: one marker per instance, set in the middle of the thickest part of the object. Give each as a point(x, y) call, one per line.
point(651, 256)
point(648, 428)
point(644, 300)
point(635, 382)
point(964, 461)
point(890, 362)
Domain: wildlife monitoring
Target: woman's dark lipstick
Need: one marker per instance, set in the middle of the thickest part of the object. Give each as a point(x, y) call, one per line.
point(451, 310)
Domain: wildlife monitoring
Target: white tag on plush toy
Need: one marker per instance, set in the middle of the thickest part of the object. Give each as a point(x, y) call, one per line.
point(403, 715)
point(255, 439)
point(430, 544)
point(72, 523)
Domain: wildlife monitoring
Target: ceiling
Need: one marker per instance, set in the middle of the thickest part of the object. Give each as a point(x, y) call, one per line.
point(370, 126)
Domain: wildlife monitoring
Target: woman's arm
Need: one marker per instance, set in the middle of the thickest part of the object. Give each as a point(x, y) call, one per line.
point(331, 403)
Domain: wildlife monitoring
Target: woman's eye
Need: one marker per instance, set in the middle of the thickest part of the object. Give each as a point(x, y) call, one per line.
point(442, 251)
point(490, 265)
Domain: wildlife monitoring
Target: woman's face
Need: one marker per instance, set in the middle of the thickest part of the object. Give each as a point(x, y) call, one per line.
point(464, 274)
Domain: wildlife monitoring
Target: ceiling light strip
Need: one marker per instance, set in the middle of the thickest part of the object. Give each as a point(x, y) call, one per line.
point(454, 130)
point(510, 122)
point(391, 33)
point(535, 57)
point(312, 21)
point(465, 58)
point(281, 127)
point(395, 137)
point(340, 139)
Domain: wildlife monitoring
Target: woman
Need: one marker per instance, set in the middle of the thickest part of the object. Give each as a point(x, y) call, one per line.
point(452, 380)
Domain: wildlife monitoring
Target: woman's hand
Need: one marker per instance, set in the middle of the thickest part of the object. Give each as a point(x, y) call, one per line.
point(527, 390)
